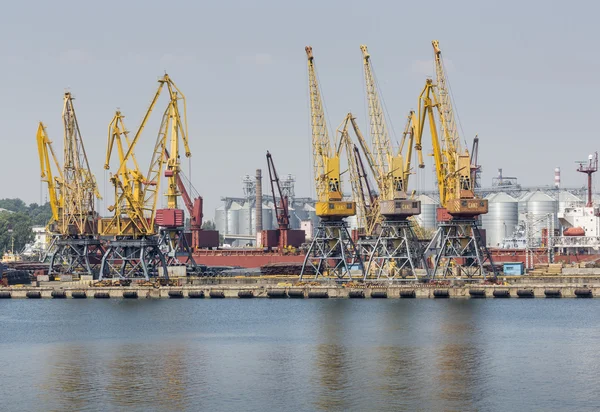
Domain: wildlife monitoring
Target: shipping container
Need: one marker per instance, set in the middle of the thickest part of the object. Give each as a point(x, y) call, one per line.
point(513, 268)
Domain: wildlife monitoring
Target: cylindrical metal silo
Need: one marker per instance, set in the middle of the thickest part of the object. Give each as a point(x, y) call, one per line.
point(245, 220)
point(522, 205)
point(221, 219)
point(539, 205)
point(501, 219)
point(311, 214)
point(427, 218)
point(233, 218)
point(567, 199)
point(267, 216)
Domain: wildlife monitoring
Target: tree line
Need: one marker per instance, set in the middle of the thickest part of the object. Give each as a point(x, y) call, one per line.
point(20, 217)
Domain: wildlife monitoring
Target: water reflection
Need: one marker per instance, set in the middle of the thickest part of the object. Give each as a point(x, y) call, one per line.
point(458, 356)
point(304, 355)
point(129, 376)
point(399, 362)
point(332, 363)
point(72, 382)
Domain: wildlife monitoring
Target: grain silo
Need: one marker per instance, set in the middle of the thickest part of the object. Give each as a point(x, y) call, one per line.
point(540, 205)
point(233, 218)
point(522, 205)
point(221, 219)
point(567, 199)
point(501, 219)
point(427, 218)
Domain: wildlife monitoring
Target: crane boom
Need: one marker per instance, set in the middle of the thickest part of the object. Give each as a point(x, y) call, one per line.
point(80, 188)
point(141, 192)
point(391, 170)
point(320, 134)
point(380, 139)
point(366, 203)
point(367, 152)
point(453, 163)
point(326, 162)
point(449, 129)
point(281, 210)
point(45, 150)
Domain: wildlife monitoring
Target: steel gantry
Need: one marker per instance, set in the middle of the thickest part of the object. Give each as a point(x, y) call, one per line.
point(457, 246)
point(146, 240)
point(75, 247)
point(332, 251)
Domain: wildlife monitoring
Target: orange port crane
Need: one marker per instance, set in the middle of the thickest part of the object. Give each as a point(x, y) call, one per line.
point(457, 245)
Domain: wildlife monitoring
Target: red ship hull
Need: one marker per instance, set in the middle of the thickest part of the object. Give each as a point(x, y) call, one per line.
point(245, 258)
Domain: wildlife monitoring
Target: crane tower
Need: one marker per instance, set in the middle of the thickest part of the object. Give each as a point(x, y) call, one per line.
point(457, 246)
point(396, 251)
point(75, 246)
point(332, 251)
point(147, 240)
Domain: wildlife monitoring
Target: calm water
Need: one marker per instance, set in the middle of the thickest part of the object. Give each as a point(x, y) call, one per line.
point(300, 355)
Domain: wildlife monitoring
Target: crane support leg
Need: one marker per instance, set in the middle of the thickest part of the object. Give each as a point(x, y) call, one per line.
point(134, 259)
point(459, 251)
point(397, 253)
point(75, 256)
point(175, 245)
point(332, 252)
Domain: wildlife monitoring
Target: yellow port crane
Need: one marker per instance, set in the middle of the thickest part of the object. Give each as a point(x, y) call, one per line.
point(54, 183)
point(396, 250)
point(139, 228)
point(332, 251)
point(457, 243)
point(391, 170)
point(75, 247)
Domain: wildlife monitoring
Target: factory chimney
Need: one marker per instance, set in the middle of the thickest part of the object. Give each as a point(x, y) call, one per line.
point(259, 202)
point(557, 177)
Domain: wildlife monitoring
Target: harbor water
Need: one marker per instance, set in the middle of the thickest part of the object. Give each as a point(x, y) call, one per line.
point(300, 355)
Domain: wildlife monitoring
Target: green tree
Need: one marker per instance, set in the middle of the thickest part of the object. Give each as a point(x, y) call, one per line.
point(209, 225)
point(20, 224)
point(14, 205)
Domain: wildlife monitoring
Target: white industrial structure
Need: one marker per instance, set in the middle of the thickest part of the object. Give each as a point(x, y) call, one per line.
point(236, 218)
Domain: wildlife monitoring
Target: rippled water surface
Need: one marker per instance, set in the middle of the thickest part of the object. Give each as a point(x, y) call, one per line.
point(300, 355)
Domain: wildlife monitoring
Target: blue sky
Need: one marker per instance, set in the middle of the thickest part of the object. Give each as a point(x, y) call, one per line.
point(523, 75)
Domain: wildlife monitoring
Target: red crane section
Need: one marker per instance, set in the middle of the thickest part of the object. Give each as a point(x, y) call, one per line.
point(283, 237)
point(201, 238)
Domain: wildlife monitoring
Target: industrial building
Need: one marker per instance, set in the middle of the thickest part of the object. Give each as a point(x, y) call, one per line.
point(236, 218)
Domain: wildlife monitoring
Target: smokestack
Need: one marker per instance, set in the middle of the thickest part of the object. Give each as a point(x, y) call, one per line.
point(258, 208)
point(557, 177)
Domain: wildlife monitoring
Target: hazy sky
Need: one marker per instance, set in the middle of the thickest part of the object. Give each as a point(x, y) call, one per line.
point(524, 75)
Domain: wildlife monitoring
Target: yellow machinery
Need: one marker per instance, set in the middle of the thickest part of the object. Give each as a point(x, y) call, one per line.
point(138, 227)
point(54, 184)
point(75, 247)
point(332, 251)
point(326, 162)
point(457, 242)
point(391, 170)
point(393, 246)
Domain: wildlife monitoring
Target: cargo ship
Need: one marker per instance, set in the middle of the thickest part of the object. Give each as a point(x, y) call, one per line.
point(246, 258)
